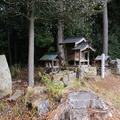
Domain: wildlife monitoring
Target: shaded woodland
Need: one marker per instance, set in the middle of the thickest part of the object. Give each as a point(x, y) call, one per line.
point(14, 34)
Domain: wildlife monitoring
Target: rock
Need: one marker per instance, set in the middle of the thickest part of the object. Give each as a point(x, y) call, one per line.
point(80, 102)
point(16, 95)
point(5, 77)
point(43, 107)
point(37, 99)
point(115, 66)
point(83, 105)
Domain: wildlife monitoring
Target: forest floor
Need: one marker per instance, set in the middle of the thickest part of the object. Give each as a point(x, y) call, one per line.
point(108, 89)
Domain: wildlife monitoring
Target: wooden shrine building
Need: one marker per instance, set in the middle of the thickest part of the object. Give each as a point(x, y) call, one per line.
point(77, 51)
point(50, 61)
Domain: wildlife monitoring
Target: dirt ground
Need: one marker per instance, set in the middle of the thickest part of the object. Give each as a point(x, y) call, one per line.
point(108, 89)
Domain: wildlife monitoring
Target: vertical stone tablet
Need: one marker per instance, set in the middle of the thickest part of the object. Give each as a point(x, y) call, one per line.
point(5, 77)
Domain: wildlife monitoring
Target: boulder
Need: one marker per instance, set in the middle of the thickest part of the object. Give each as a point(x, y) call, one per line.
point(37, 99)
point(43, 107)
point(82, 105)
point(5, 77)
point(81, 102)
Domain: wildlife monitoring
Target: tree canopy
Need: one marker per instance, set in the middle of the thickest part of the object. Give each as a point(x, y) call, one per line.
point(74, 25)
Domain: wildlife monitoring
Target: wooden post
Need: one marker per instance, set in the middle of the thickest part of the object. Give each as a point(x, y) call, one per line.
point(52, 65)
point(103, 66)
point(46, 64)
point(74, 59)
point(66, 54)
point(88, 58)
point(80, 58)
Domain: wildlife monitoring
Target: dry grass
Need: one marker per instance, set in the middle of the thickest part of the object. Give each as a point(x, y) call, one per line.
point(16, 111)
point(108, 89)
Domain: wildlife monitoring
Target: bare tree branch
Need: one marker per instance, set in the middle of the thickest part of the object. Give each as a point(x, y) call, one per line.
point(18, 14)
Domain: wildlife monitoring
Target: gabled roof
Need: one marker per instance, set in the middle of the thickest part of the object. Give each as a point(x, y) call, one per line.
point(99, 57)
point(83, 46)
point(49, 57)
point(75, 40)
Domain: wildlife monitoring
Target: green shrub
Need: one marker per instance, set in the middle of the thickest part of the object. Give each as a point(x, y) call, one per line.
point(46, 79)
point(54, 88)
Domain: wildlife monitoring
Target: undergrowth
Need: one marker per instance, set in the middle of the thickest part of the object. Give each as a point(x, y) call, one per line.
point(3, 105)
point(16, 71)
point(54, 88)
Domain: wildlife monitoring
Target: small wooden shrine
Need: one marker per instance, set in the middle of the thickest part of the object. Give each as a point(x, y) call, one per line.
point(77, 51)
point(50, 61)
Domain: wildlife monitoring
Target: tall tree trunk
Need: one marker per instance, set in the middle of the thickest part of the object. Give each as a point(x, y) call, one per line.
point(9, 48)
point(31, 53)
point(105, 31)
point(15, 51)
point(60, 40)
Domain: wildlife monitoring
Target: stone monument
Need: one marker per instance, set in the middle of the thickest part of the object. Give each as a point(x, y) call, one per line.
point(5, 77)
